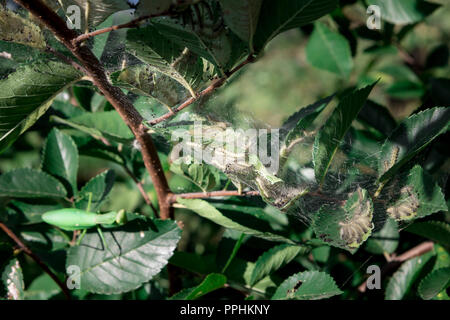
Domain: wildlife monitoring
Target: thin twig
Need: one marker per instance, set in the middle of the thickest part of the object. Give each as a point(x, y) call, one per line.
point(33, 256)
point(395, 261)
point(65, 59)
point(213, 194)
point(141, 190)
point(132, 24)
point(217, 83)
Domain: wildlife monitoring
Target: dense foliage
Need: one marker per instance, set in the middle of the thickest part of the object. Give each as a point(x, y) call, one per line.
point(363, 172)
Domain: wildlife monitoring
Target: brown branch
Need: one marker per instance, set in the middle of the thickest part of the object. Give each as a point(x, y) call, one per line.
point(217, 83)
point(33, 256)
point(395, 261)
point(132, 24)
point(114, 95)
point(212, 194)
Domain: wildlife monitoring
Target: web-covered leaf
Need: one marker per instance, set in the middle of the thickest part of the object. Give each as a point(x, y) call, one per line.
point(206, 177)
point(411, 137)
point(166, 56)
point(19, 30)
point(415, 196)
point(332, 134)
point(348, 226)
point(142, 80)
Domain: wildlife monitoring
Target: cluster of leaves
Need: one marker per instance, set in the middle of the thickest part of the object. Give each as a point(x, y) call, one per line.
point(263, 252)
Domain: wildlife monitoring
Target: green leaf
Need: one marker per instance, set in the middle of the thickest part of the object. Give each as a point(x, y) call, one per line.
point(211, 283)
point(402, 281)
point(378, 117)
point(16, 29)
point(26, 95)
point(13, 280)
point(135, 253)
point(406, 90)
point(437, 281)
point(304, 120)
point(242, 17)
point(346, 227)
point(295, 119)
point(415, 195)
point(60, 157)
point(248, 206)
point(99, 187)
point(404, 11)
point(193, 262)
point(273, 259)
point(204, 176)
point(331, 135)
point(151, 47)
point(144, 81)
point(411, 137)
point(442, 257)
point(282, 15)
point(437, 231)
point(33, 212)
point(309, 285)
point(328, 50)
point(217, 49)
point(384, 240)
point(107, 123)
point(29, 183)
point(239, 241)
point(42, 288)
point(257, 228)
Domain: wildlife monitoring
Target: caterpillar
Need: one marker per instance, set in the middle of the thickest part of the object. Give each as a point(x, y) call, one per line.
point(357, 229)
point(393, 160)
point(406, 207)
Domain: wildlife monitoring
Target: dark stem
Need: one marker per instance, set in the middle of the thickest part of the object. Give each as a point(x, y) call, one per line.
point(33, 256)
